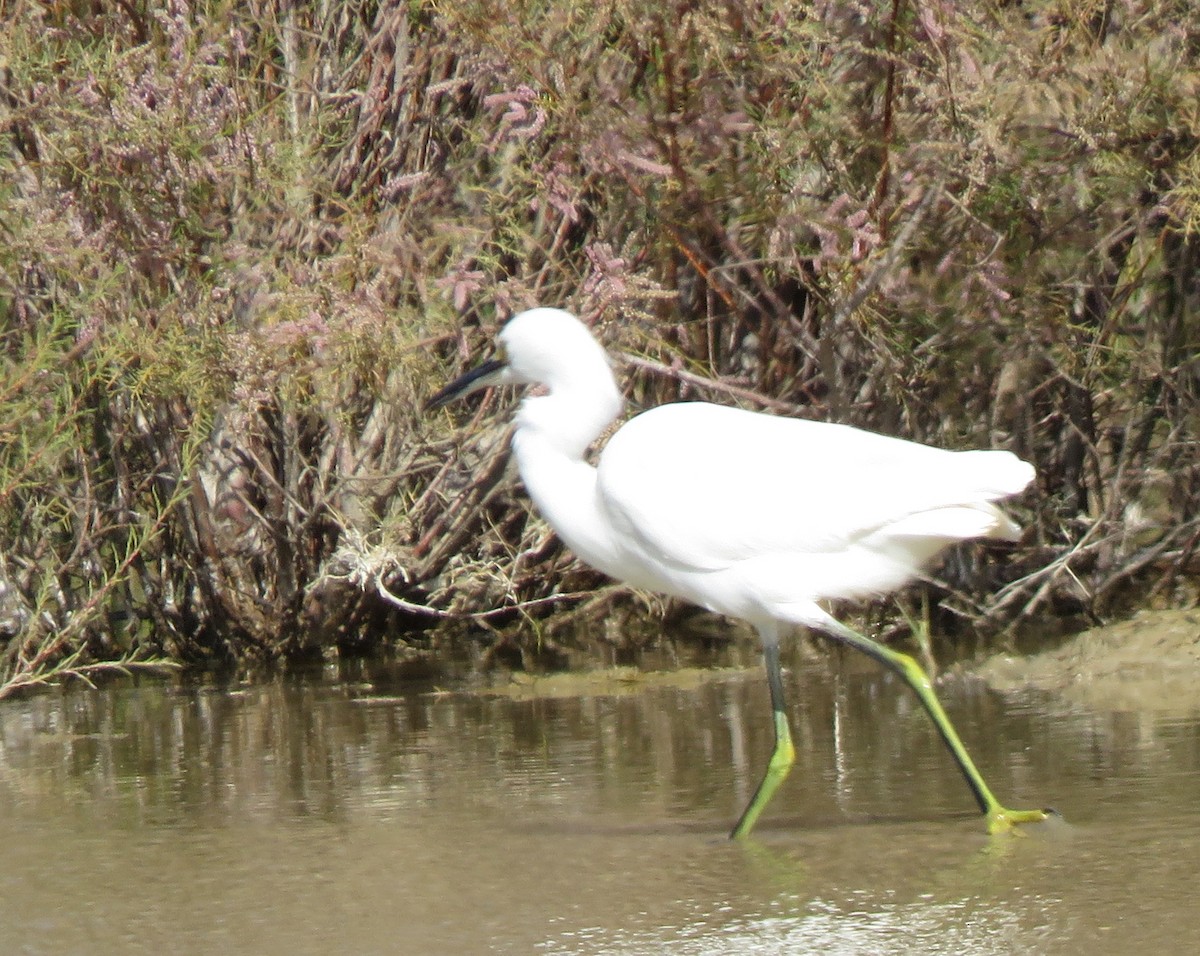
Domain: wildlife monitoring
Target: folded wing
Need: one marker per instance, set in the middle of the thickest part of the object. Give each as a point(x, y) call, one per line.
point(701, 487)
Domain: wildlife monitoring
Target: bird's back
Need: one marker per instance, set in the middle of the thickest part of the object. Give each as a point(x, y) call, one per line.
point(701, 488)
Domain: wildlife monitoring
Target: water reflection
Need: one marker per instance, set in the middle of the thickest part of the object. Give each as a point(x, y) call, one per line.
point(375, 814)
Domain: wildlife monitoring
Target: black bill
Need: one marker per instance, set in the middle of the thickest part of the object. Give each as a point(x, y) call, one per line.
point(479, 377)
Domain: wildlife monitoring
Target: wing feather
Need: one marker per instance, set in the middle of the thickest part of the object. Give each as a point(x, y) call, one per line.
point(701, 487)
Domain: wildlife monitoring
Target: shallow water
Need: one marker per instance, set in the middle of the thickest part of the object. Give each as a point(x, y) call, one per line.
point(370, 814)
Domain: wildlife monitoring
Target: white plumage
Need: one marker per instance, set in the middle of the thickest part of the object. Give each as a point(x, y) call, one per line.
point(744, 513)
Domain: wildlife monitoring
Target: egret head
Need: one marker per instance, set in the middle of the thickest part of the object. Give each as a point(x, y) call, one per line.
point(539, 347)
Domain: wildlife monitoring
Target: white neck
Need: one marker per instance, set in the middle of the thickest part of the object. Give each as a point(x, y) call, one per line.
point(573, 416)
point(552, 435)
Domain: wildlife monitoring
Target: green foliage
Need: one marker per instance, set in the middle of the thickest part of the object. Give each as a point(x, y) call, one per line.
point(241, 239)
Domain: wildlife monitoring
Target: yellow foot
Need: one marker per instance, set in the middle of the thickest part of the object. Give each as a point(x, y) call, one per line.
point(1001, 820)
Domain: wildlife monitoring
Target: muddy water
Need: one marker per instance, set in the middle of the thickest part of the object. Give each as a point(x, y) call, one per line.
point(366, 813)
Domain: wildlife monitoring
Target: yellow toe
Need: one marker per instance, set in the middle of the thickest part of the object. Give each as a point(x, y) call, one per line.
point(1001, 820)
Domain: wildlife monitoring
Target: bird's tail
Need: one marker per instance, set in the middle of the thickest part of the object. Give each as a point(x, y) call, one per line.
point(997, 474)
point(959, 523)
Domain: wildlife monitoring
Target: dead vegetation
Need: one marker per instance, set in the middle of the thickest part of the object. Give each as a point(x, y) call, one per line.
point(243, 241)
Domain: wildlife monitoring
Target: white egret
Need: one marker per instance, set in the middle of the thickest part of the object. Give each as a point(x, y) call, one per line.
point(743, 513)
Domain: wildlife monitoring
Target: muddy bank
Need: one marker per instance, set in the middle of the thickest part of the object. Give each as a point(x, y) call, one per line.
point(1148, 663)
